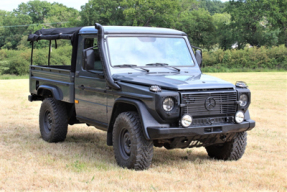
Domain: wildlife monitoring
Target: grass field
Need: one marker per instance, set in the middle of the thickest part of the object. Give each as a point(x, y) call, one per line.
point(7, 76)
point(85, 162)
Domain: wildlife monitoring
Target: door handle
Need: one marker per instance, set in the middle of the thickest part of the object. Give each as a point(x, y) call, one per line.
point(81, 87)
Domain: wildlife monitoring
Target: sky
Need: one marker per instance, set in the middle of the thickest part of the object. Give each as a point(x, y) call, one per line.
point(9, 5)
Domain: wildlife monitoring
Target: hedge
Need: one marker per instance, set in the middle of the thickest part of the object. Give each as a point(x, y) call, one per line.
point(249, 59)
point(17, 61)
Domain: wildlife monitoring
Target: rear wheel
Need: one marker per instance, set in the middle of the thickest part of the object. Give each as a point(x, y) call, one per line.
point(232, 150)
point(131, 148)
point(53, 120)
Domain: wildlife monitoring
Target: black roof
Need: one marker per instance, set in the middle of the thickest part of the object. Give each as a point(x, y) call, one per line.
point(54, 33)
point(67, 33)
point(131, 30)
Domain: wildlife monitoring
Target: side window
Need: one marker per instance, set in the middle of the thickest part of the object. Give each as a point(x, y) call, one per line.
point(92, 42)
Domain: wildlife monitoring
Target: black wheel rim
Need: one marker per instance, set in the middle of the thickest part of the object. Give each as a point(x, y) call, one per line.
point(48, 122)
point(125, 143)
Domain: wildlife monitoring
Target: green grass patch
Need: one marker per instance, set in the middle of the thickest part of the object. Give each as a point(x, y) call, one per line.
point(7, 77)
point(77, 166)
point(233, 70)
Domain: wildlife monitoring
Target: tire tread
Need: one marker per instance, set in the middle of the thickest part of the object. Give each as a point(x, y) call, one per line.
point(144, 148)
point(233, 150)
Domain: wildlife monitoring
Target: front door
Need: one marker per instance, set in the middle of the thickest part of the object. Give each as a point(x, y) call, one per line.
point(90, 88)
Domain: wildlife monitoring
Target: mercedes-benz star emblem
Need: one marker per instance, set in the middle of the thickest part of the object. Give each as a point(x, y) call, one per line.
point(210, 103)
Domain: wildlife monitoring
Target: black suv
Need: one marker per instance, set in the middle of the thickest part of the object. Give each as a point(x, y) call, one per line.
point(144, 86)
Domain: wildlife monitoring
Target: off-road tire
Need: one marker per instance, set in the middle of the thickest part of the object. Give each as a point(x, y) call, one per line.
point(131, 148)
point(53, 120)
point(233, 150)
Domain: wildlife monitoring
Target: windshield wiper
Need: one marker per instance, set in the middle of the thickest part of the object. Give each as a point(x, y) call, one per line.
point(162, 64)
point(132, 66)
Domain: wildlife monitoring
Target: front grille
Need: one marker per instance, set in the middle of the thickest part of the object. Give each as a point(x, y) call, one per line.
point(212, 103)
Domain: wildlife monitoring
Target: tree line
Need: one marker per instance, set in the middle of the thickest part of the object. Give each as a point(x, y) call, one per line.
point(208, 23)
point(215, 26)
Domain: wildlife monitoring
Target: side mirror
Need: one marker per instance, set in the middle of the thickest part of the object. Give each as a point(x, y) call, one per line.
point(198, 57)
point(89, 59)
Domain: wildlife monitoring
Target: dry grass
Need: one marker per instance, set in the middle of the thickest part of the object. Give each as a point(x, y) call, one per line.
point(84, 162)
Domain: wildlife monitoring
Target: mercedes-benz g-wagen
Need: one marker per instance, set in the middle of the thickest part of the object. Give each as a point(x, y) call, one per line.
point(145, 88)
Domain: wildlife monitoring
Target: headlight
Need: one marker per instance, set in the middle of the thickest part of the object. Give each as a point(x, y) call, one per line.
point(186, 120)
point(168, 104)
point(239, 117)
point(243, 100)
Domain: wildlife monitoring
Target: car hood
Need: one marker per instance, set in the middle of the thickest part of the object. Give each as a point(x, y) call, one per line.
point(175, 81)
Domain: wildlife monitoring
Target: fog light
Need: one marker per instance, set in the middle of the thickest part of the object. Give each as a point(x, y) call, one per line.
point(186, 120)
point(239, 117)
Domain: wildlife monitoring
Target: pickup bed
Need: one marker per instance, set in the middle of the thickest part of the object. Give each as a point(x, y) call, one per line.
point(56, 81)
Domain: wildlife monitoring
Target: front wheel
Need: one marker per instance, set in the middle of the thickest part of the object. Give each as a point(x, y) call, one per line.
point(131, 148)
point(232, 150)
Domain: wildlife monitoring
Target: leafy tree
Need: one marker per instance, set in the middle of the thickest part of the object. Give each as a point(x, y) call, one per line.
point(257, 22)
point(37, 10)
point(35, 15)
point(2, 29)
point(188, 5)
point(13, 28)
point(223, 30)
point(102, 11)
point(149, 12)
point(247, 21)
point(198, 24)
point(277, 16)
point(213, 6)
point(64, 16)
point(50, 14)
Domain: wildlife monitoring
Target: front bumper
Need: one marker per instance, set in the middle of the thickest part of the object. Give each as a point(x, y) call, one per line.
point(172, 132)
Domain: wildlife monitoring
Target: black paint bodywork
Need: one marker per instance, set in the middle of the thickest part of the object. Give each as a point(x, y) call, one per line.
point(102, 95)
